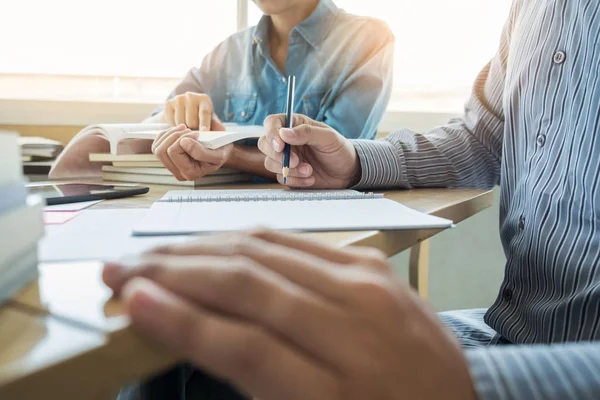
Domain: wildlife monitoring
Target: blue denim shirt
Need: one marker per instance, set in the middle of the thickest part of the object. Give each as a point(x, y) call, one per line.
point(342, 64)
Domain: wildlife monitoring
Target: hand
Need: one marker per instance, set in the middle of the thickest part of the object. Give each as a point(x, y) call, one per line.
point(320, 157)
point(283, 317)
point(194, 110)
point(181, 153)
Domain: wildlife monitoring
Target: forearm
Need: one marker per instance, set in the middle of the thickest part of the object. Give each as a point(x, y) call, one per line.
point(561, 372)
point(248, 159)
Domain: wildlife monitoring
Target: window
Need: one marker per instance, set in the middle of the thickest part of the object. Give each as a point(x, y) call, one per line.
point(441, 45)
point(137, 50)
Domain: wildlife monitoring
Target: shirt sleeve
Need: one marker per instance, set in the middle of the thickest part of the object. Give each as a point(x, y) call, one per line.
point(555, 372)
point(466, 152)
point(363, 95)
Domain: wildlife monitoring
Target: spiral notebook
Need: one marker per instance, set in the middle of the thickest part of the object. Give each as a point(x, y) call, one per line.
point(182, 212)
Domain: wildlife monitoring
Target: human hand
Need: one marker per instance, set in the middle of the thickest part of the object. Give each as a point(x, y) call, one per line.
point(283, 317)
point(320, 157)
point(180, 152)
point(194, 110)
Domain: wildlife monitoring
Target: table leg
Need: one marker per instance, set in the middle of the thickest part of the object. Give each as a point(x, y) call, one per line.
point(418, 268)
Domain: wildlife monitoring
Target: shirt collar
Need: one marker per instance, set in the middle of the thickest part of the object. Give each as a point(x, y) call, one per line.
point(313, 29)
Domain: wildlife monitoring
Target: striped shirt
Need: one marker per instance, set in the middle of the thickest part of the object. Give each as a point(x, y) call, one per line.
point(532, 125)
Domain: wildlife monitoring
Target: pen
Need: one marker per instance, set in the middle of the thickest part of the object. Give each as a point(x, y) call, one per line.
point(289, 123)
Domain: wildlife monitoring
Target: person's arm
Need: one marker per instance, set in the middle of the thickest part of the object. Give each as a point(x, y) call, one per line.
point(248, 159)
point(561, 372)
point(464, 153)
point(361, 100)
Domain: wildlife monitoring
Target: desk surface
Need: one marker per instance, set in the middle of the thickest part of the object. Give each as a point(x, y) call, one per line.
point(66, 323)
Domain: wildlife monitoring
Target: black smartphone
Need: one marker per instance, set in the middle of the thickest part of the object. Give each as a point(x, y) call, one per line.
point(62, 193)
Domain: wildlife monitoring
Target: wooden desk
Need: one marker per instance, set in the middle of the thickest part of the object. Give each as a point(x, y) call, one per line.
point(64, 337)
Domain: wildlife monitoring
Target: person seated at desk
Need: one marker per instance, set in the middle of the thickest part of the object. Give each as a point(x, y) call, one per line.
point(343, 69)
point(301, 325)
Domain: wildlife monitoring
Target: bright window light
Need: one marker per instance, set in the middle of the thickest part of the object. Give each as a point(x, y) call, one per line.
point(135, 50)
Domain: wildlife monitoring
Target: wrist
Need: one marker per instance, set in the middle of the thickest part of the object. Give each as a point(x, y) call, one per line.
point(356, 173)
point(234, 157)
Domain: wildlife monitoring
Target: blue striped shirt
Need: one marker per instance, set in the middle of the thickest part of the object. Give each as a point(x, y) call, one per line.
point(532, 125)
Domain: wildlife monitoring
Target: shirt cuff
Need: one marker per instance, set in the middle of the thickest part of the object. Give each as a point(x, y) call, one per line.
point(382, 165)
point(558, 372)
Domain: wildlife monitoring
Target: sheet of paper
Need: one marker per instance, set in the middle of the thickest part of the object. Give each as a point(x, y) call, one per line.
point(178, 218)
point(72, 206)
point(98, 235)
point(59, 217)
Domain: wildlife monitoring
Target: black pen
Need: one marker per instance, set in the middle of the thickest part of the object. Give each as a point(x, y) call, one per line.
point(289, 123)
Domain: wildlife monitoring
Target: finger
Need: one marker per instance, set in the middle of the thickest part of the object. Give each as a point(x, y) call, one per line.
point(180, 109)
point(367, 256)
point(189, 168)
point(166, 133)
point(268, 148)
point(191, 112)
point(297, 182)
point(273, 123)
point(269, 152)
point(312, 135)
point(303, 170)
point(200, 153)
point(347, 255)
point(240, 288)
point(169, 113)
point(205, 114)
point(243, 353)
point(163, 156)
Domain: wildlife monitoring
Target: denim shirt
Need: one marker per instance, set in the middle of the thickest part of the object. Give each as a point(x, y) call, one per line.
point(342, 64)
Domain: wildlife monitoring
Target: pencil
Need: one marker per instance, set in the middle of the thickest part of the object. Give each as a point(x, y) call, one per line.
point(289, 123)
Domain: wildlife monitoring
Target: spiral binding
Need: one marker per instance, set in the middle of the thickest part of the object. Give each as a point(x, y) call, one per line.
point(266, 196)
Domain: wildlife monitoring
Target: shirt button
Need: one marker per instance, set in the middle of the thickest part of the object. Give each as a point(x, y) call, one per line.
point(522, 223)
point(541, 140)
point(507, 294)
point(283, 80)
point(243, 113)
point(559, 57)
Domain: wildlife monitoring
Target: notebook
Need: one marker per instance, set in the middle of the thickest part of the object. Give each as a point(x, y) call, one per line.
point(183, 212)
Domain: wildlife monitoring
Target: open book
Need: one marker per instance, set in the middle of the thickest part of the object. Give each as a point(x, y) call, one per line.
point(182, 212)
point(122, 139)
point(118, 133)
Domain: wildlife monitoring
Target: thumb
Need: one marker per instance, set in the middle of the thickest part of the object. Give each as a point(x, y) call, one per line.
point(311, 135)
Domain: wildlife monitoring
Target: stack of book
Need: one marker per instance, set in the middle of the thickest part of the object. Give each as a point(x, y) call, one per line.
point(146, 168)
point(39, 149)
point(21, 221)
point(121, 166)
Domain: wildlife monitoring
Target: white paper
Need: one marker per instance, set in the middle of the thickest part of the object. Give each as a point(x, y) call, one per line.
point(72, 206)
point(98, 235)
point(179, 218)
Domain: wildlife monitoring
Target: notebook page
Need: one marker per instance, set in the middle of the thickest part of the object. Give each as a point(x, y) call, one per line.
point(179, 218)
point(243, 195)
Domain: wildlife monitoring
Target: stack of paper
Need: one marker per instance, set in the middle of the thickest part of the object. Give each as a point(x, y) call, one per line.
point(146, 168)
point(21, 223)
